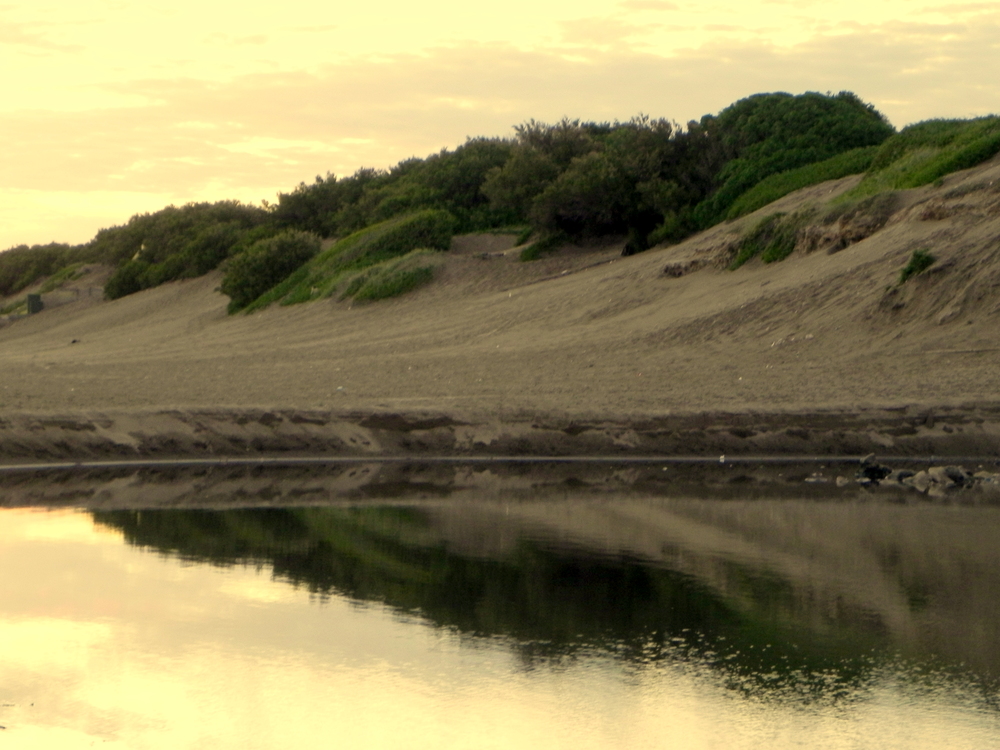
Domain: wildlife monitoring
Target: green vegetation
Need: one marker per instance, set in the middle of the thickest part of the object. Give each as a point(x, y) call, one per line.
point(266, 263)
point(919, 262)
point(22, 266)
point(15, 306)
point(68, 273)
point(324, 274)
point(448, 181)
point(772, 238)
point(537, 249)
point(392, 278)
point(923, 153)
point(648, 180)
point(770, 189)
point(175, 243)
point(768, 134)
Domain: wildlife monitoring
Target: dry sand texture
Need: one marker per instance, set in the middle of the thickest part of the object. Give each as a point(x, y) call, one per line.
point(581, 342)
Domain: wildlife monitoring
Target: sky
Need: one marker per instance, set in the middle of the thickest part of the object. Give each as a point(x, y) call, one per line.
point(112, 107)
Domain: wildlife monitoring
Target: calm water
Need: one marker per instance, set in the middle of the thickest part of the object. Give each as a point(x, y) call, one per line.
point(495, 612)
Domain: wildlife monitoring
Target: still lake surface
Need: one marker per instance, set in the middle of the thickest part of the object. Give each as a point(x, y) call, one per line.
point(486, 608)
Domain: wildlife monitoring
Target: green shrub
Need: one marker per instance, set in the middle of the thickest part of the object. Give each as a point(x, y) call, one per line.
point(266, 263)
point(919, 262)
point(878, 208)
point(767, 134)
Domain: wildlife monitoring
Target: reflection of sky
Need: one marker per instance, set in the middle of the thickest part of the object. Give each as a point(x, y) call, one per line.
point(101, 641)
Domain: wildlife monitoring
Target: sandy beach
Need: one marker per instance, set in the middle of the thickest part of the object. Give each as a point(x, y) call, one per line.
point(582, 352)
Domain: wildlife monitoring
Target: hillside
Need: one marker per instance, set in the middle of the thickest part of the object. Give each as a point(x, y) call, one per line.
point(663, 351)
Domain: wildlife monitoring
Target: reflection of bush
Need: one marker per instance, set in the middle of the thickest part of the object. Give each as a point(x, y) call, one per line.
point(551, 602)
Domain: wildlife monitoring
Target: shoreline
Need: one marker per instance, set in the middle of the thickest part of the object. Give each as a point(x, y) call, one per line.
point(904, 432)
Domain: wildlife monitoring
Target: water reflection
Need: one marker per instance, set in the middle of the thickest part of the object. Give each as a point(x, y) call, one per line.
point(803, 595)
point(595, 614)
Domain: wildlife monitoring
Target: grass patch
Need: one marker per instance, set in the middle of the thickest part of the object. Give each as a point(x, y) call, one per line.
point(924, 153)
point(546, 245)
point(778, 186)
point(524, 236)
point(878, 207)
point(393, 277)
point(772, 238)
point(13, 307)
point(919, 262)
point(326, 273)
point(62, 276)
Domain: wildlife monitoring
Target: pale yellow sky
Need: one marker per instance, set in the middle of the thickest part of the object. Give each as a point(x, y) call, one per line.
point(112, 107)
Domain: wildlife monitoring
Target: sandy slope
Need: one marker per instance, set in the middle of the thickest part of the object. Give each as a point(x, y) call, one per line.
point(585, 335)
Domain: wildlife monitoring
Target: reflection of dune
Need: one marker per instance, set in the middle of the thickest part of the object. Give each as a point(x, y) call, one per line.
point(924, 577)
point(929, 575)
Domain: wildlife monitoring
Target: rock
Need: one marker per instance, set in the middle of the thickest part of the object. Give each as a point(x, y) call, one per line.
point(950, 476)
point(920, 481)
point(873, 473)
point(899, 476)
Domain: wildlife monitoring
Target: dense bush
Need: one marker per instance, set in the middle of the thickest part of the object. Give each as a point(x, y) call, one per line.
point(266, 263)
point(173, 243)
point(645, 178)
point(450, 181)
point(649, 180)
point(22, 266)
point(767, 134)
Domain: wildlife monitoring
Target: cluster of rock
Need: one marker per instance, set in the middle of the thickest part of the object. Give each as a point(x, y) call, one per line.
point(934, 480)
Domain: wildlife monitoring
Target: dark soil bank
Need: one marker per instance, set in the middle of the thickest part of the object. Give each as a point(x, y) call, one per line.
point(967, 430)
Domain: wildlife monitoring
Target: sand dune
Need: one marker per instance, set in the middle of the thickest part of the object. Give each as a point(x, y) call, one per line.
point(582, 336)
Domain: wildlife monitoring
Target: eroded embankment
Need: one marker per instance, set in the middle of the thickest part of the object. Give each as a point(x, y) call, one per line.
point(965, 430)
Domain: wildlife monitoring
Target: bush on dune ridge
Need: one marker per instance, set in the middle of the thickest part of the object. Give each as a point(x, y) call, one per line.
point(777, 186)
point(650, 180)
point(922, 153)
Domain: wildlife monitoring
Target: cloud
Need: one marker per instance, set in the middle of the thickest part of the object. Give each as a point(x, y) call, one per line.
point(257, 134)
point(648, 5)
point(602, 32)
point(19, 35)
